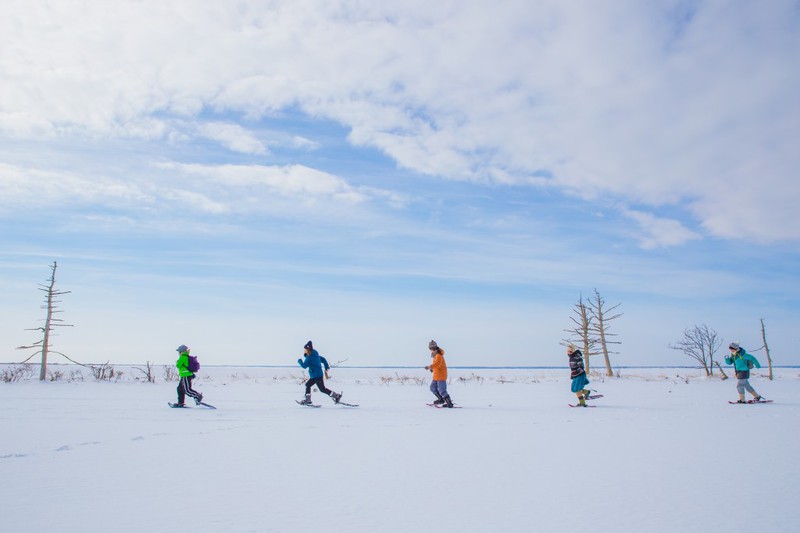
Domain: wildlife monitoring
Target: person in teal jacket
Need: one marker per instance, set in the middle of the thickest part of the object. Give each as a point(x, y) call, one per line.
point(742, 363)
point(314, 362)
point(186, 377)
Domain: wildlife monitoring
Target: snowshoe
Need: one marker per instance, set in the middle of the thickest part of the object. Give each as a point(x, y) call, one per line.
point(760, 399)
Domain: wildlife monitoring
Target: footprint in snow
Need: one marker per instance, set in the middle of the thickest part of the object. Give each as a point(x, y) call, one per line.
point(13, 455)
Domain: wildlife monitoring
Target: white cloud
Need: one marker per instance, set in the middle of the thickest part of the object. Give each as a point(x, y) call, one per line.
point(220, 190)
point(303, 143)
point(658, 232)
point(685, 104)
point(34, 188)
point(233, 137)
point(294, 181)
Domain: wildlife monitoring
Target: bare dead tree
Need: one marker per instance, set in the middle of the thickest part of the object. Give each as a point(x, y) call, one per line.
point(50, 322)
point(722, 372)
point(700, 343)
point(766, 347)
point(581, 332)
point(603, 317)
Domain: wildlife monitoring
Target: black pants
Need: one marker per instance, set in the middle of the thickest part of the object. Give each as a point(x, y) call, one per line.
point(320, 385)
point(185, 387)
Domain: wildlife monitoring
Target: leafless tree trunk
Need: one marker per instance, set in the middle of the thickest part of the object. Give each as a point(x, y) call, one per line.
point(766, 347)
point(50, 322)
point(724, 375)
point(700, 343)
point(602, 319)
point(581, 333)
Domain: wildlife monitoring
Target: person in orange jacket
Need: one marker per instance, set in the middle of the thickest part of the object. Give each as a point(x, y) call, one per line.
point(439, 382)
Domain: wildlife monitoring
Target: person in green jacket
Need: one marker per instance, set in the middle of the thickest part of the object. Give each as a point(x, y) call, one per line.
point(186, 377)
point(742, 363)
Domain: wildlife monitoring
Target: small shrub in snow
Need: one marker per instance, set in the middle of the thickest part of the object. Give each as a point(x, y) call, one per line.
point(147, 371)
point(104, 372)
point(15, 373)
point(397, 378)
point(170, 373)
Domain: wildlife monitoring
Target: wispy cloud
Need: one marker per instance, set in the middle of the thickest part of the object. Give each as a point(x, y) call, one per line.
point(259, 183)
point(658, 232)
point(233, 136)
point(25, 188)
point(221, 189)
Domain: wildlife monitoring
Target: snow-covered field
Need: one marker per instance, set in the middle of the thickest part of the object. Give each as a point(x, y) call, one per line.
point(663, 451)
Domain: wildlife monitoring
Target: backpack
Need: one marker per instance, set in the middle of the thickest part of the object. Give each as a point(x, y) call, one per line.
point(749, 364)
point(194, 364)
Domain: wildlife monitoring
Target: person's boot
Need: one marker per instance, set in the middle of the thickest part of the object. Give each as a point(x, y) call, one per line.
point(198, 399)
point(307, 400)
point(586, 393)
point(447, 401)
point(336, 396)
point(439, 400)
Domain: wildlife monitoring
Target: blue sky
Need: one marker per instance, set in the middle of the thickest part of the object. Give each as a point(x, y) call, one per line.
point(244, 177)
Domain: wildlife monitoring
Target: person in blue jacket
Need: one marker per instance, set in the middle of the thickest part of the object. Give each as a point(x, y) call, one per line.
point(742, 363)
point(314, 362)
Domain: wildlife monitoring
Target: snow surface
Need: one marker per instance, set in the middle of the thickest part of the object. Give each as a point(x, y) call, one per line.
point(663, 451)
